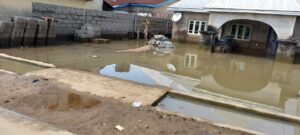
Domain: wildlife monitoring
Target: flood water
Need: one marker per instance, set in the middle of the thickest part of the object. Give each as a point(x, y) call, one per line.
point(228, 116)
point(253, 80)
point(17, 67)
point(61, 100)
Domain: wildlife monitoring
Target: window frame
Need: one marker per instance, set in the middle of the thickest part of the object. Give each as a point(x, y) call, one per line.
point(194, 26)
point(244, 31)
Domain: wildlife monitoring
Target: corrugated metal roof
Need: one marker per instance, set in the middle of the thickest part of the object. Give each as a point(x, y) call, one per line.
point(124, 3)
point(265, 5)
point(189, 5)
point(284, 7)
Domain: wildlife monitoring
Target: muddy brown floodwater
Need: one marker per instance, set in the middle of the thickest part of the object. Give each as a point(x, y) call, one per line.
point(190, 68)
point(19, 67)
point(83, 114)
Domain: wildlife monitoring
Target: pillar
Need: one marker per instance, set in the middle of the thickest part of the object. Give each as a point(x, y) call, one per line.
point(286, 51)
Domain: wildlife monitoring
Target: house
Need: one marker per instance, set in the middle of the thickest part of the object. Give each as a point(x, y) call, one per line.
point(24, 7)
point(269, 27)
point(155, 8)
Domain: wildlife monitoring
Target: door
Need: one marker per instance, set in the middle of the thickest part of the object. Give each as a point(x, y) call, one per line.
point(272, 44)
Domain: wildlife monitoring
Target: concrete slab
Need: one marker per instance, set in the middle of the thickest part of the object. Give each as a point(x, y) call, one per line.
point(12, 123)
point(38, 63)
point(104, 86)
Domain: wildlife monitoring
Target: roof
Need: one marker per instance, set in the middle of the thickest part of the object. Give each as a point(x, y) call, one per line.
point(189, 5)
point(142, 3)
point(282, 7)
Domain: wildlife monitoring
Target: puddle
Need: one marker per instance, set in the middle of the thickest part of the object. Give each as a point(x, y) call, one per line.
point(17, 67)
point(187, 68)
point(228, 116)
point(61, 100)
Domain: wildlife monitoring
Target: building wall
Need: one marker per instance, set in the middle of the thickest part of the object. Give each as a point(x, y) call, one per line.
point(180, 28)
point(24, 7)
point(112, 24)
point(135, 9)
point(259, 34)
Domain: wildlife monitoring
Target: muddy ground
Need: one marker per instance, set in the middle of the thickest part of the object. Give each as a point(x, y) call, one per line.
point(84, 114)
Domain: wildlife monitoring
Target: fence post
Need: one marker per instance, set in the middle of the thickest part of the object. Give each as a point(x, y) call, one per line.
point(84, 15)
point(167, 26)
point(134, 25)
point(138, 28)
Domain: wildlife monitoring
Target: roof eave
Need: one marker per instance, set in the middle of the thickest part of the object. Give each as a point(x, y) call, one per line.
point(187, 10)
point(274, 12)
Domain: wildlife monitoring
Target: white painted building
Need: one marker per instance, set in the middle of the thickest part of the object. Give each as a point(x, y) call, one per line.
point(259, 26)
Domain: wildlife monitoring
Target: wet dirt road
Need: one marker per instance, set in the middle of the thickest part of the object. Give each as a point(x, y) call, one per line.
point(84, 114)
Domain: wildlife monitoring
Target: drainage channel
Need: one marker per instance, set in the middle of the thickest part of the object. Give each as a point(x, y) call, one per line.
point(219, 114)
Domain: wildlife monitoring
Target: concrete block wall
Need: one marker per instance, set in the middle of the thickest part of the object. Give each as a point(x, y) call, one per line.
point(18, 31)
point(5, 18)
point(5, 33)
point(111, 23)
point(30, 32)
point(41, 34)
point(157, 25)
point(88, 32)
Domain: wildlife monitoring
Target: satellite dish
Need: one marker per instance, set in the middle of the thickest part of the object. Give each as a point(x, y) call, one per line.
point(176, 17)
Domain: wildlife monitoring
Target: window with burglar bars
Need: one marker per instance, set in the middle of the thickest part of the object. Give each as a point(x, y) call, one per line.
point(195, 27)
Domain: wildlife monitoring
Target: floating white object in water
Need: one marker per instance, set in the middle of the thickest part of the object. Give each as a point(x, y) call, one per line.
point(171, 67)
point(136, 104)
point(95, 56)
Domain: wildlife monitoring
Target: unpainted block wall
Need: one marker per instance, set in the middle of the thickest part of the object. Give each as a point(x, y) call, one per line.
point(111, 23)
point(24, 7)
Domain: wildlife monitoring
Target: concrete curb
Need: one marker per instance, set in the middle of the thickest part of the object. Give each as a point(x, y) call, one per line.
point(7, 72)
point(33, 62)
point(239, 106)
point(211, 123)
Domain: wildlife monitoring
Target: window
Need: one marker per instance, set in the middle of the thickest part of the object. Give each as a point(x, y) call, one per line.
point(195, 27)
point(190, 61)
point(241, 31)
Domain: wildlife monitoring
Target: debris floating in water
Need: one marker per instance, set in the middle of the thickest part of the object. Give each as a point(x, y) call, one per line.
point(171, 67)
point(161, 41)
point(94, 56)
